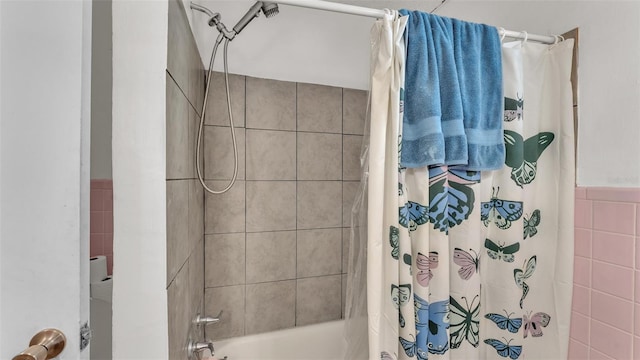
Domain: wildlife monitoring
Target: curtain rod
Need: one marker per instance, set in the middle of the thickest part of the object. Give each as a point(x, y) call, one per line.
point(378, 14)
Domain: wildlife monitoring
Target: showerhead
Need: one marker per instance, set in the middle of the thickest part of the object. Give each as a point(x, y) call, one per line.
point(269, 9)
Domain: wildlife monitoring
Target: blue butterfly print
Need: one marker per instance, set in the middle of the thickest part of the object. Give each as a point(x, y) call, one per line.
point(450, 200)
point(501, 212)
point(505, 350)
point(411, 349)
point(432, 322)
point(413, 214)
point(438, 324)
point(505, 322)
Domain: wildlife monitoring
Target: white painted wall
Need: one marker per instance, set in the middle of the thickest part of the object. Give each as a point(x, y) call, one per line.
point(101, 90)
point(44, 69)
point(333, 49)
point(139, 115)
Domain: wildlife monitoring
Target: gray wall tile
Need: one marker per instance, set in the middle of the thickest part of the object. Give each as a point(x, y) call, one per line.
point(225, 259)
point(193, 138)
point(348, 244)
point(231, 300)
point(271, 256)
point(271, 205)
point(219, 155)
point(344, 293)
point(270, 306)
point(319, 108)
point(349, 192)
point(297, 181)
point(196, 279)
point(217, 112)
point(319, 204)
point(271, 104)
point(197, 81)
point(319, 252)
point(225, 213)
point(196, 213)
point(271, 155)
point(185, 200)
point(346, 239)
point(351, 157)
point(319, 156)
point(318, 299)
point(179, 165)
point(354, 110)
point(196, 77)
point(179, 37)
point(178, 246)
point(178, 306)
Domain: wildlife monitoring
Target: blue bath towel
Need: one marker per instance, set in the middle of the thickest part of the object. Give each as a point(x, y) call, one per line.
point(432, 128)
point(478, 54)
point(453, 94)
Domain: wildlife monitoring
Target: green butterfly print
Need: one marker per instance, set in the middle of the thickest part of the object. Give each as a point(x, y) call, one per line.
point(400, 167)
point(400, 296)
point(465, 322)
point(531, 223)
point(522, 156)
point(407, 260)
point(520, 275)
point(394, 241)
point(497, 252)
point(513, 108)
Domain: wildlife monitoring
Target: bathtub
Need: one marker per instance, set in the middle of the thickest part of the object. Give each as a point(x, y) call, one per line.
point(320, 341)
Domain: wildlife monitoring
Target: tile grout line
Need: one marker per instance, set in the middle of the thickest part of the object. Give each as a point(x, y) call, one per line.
point(342, 300)
point(295, 301)
point(244, 316)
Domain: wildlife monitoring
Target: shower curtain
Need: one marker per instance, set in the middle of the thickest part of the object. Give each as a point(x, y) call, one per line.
point(472, 265)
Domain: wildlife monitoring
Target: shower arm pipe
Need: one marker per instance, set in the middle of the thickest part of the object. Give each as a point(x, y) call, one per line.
point(379, 14)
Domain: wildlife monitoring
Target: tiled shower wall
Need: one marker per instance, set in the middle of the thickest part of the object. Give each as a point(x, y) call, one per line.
point(101, 238)
point(185, 200)
point(605, 318)
point(275, 244)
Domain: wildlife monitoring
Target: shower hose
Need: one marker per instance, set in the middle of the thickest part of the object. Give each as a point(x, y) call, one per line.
point(202, 116)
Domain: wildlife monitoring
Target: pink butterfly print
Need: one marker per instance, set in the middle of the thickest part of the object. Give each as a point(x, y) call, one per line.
point(425, 264)
point(535, 323)
point(467, 262)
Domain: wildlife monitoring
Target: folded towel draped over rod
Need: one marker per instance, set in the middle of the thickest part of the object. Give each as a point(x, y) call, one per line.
point(378, 13)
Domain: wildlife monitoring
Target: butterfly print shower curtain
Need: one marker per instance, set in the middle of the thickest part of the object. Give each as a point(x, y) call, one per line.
point(473, 265)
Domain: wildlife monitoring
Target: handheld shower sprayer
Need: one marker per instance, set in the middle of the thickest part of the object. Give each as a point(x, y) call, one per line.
point(269, 9)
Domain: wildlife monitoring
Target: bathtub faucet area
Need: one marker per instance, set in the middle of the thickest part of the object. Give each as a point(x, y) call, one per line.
point(195, 350)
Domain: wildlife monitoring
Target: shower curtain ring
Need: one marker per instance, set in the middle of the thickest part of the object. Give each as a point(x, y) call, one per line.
point(526, 37)
point(391, 13)
point(502, 33)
